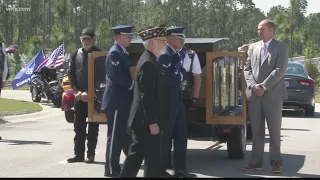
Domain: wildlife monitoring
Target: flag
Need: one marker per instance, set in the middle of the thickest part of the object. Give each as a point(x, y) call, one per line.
point(55, 60)
point(43, 63)
point(60, 57)
point(25, 75)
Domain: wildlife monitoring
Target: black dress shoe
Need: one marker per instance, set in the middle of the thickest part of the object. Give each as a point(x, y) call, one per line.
point(167, 175)
point(115, 175)
point(184, 174)
point(75, 159)
point(90, 160)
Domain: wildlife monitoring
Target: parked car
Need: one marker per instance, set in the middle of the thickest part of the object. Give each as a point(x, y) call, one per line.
point(12, 49)
point(301, 89)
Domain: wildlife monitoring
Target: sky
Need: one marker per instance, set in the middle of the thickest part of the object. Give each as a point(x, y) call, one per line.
point(265, 5)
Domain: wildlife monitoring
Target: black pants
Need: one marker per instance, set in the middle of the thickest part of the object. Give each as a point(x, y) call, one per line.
point(144, 146)
point(80, 127)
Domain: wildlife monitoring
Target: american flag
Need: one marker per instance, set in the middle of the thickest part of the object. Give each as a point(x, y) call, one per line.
point(55, 60)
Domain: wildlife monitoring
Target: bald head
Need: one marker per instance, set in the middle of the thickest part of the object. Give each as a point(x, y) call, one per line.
point(266, 29)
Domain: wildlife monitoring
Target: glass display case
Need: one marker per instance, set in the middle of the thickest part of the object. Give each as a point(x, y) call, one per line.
point(225, 88)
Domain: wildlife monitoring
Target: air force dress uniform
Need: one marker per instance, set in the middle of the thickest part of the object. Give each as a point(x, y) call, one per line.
point(117, 100)
point(172, 67)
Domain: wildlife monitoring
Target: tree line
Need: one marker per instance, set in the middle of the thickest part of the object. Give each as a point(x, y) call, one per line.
point(48, 23)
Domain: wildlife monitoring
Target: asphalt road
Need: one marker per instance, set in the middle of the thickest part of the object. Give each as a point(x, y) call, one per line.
point(38, 145)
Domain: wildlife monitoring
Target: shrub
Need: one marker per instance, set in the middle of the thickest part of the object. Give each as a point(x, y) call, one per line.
point(313, 71)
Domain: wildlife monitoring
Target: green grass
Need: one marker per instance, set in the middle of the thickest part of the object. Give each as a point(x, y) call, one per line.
point(9, 87)
point(21, 88)
point(10, 105)
point(317, 99)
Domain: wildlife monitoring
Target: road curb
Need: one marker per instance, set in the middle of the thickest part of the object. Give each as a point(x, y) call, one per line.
point(47, 112)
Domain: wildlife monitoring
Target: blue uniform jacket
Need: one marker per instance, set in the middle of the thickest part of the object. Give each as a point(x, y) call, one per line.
point(119, 89)
point(172, 81)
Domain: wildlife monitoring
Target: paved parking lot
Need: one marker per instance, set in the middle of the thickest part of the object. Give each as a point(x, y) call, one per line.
point(37, 146)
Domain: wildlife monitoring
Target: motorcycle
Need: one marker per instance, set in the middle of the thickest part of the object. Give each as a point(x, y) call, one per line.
point(46, 84)
point(67, 100)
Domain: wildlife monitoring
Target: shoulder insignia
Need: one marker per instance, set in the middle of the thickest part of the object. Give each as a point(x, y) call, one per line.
point(115, 63)
point(166, 66)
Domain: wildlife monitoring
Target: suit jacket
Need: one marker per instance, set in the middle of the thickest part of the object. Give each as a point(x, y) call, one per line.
point(118, 93)
point(271, 71)
point(148, 106)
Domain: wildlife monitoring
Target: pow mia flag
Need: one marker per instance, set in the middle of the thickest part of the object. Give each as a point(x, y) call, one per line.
point(24, 76)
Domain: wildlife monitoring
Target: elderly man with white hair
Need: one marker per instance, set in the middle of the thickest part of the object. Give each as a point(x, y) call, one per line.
point(147, 112)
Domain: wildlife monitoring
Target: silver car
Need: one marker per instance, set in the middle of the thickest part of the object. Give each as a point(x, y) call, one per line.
point(301, 89)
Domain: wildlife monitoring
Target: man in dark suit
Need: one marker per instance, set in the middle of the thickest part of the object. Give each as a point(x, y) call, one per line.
point(78, 77)
point(147, 111)
point(117, 97)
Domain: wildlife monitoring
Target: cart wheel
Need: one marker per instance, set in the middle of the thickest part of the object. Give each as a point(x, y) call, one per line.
point(69, 116)
point(237, 140)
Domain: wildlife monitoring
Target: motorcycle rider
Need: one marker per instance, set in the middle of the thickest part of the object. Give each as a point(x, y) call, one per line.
point(78, 77)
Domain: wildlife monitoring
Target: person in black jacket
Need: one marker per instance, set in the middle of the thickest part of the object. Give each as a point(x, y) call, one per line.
point(78, 77)
point(146, 118)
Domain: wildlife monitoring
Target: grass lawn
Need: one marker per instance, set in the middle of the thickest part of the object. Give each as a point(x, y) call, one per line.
point(317, 99)
point(13, 107)
point(8, 86)
point(21, 88)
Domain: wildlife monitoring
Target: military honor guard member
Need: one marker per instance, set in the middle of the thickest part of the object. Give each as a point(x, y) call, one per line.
point(78, 77)
point(192, 83)
point(176, 129)
point(192, 80)
point(117, 96)
point(148, 108)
